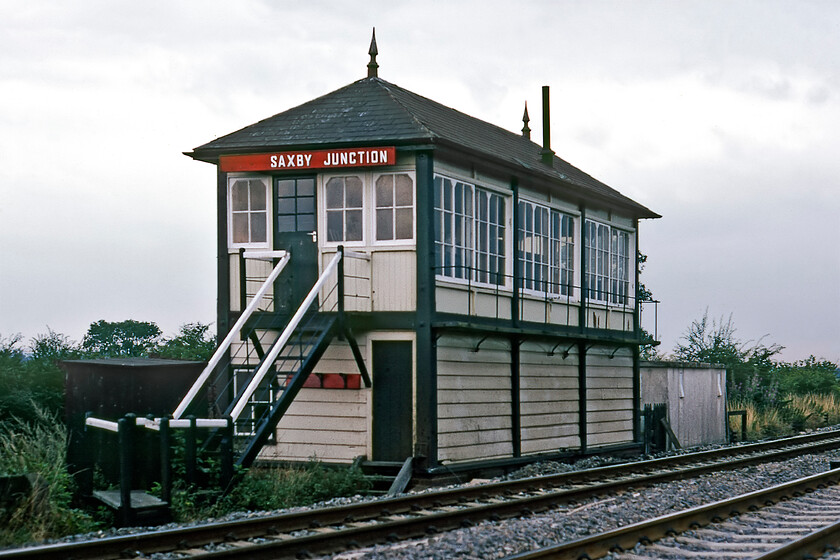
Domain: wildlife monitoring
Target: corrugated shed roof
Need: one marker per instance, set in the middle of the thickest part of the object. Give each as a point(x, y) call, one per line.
point(372, 111)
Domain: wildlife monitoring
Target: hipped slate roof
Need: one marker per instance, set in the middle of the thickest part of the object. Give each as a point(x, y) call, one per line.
point(372, 112)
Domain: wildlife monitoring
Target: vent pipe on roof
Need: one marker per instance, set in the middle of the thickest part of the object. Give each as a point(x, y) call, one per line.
point(546, 153)
point(526, 130)
point(373, 67)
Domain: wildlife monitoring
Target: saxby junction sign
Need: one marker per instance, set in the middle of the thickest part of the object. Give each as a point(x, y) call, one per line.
point(311, 159)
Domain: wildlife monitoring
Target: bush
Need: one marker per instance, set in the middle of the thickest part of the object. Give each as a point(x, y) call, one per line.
point(39, 448)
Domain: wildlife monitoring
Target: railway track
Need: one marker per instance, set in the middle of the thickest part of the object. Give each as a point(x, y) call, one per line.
point(326, 530)
point(795, 520)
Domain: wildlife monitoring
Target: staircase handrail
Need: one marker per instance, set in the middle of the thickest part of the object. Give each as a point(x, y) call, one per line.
point(285, 257)
point(278, 346)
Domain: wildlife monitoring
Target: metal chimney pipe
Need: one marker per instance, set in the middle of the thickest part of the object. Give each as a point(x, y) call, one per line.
point(546, 153)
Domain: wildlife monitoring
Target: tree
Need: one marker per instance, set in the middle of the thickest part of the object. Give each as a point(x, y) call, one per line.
point(749, 366)
point(193, 342)
point(125, 338)
point(807, 376)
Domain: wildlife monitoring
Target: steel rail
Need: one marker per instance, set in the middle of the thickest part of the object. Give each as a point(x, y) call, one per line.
point(627, 537)
point(543, 495)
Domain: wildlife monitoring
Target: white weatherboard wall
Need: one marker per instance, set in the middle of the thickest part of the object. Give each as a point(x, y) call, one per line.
point(474, 399)
point(695, 395)
point(548, 395)
point(328, 424)
point(609, 396)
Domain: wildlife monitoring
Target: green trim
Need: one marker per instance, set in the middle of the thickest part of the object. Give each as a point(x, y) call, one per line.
point(582, 409)
point(426, 429)
point(515, 397)
point(223, 314)
point(451, 321)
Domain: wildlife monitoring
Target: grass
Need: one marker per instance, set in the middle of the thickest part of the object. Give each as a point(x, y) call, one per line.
point(39, 448)
point(796, 414)
point(270, 488)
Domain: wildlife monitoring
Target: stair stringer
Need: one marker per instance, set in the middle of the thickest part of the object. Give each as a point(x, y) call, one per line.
point(291, 390)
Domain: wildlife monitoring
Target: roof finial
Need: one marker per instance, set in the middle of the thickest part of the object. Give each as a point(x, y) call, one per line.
point(526, 131)
point(373, 67)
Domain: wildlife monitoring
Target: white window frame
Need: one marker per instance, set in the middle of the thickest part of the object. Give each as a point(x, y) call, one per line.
point(323, 210)
point(604, 283)
point(368, 209)
point(468, 245)
point(555, 265)
point(269, 214)
point(373, 223)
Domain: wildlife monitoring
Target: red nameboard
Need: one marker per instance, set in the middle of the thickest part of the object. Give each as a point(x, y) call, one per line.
point(313, 159)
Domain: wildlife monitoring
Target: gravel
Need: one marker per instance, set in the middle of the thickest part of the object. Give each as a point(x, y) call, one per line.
point(499, 539)
point(569, 522)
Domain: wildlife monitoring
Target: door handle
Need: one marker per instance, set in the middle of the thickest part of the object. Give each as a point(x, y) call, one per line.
point(314, 236)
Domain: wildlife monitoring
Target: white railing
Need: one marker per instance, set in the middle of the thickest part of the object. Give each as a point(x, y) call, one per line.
point(281, 342)
point(234, 331)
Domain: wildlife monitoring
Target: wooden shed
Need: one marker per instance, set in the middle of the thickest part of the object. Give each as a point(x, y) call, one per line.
point(456, 292)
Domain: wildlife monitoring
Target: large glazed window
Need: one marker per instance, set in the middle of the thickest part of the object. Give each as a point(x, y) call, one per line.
point(344, 201)
point(394, 193)
point(469, 232)
point(607, 264)
point(546, 243)
point(248, 212)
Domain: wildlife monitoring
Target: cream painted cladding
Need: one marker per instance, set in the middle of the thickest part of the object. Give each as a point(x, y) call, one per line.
point(331, 425)
point(548, 381)
point(474, 398)
point(609, 396)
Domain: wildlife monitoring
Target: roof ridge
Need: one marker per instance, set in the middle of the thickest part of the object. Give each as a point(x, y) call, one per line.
point(386, 85)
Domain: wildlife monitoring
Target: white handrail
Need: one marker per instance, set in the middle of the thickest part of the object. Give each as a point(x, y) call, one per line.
point(234, 331)
point(103, 424)
point(277, 347)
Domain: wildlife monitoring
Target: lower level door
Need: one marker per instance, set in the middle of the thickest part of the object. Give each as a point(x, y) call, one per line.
point(392, 400)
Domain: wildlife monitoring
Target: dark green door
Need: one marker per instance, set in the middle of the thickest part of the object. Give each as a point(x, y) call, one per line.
point(392, 400)
point(295, 229)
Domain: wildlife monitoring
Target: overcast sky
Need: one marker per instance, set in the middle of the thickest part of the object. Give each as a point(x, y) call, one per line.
point(724, 117)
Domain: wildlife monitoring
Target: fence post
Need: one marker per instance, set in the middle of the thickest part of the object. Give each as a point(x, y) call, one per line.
point(190, 452)
point(125, 436)
point(226, 449)
point(165, 460)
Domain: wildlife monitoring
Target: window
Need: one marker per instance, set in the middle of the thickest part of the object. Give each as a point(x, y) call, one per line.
point(344, 208)
point(248, 212)
point(394, 207)
point(469, 232)
point(607, 263)
point(295, 205)
point(546, 243)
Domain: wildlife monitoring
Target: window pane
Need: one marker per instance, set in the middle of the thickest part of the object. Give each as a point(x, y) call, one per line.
point(257, 189)
point(404, 190)
point(405, 223)
point(306, 205)
point(384, 224)
point(385, 191)
point(353, 225)
point(335, 226)
point(258, 229)
point(240, 228)
point(239, 196)
point(285, 223)
point(286, 187)
point(306, 187)
point(335, 193)
point(286, 206)
point(306, 222)
point(353, 194)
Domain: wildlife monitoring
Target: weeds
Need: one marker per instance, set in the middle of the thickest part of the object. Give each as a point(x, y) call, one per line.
point(39, 449)
point(270, 488)
point(788, 417)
